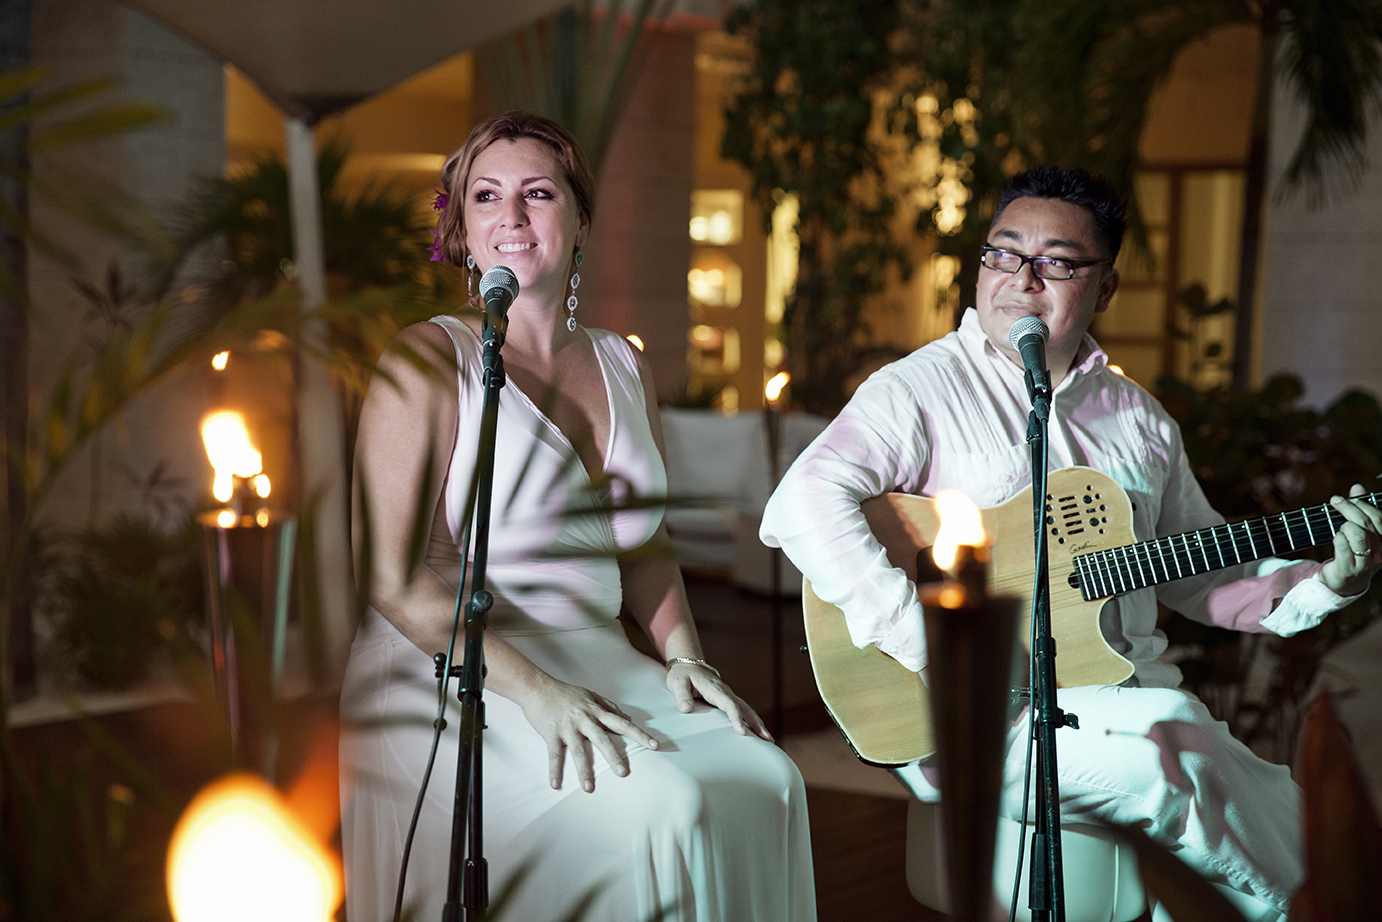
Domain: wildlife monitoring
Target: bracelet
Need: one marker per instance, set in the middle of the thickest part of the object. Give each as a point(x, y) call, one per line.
point(689, 661)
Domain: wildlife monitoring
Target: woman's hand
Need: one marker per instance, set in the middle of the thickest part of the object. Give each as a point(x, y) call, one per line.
point(688, 680)
point(573, 719)
point(1357, 545)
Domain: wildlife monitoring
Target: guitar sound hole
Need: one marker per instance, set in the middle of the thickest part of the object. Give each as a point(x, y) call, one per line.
point(1076, 514)
point(1069, 517)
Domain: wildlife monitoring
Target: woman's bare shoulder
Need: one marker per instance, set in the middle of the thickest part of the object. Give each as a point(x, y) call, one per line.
point(419, 357)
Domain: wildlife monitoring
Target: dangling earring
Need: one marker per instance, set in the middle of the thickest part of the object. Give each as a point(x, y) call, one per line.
point(571, 301)
point(469, 277)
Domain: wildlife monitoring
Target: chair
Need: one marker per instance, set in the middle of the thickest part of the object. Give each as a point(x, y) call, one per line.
point(1101, 880)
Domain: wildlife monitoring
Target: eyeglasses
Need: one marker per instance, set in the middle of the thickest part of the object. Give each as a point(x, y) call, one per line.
point(1055, 268)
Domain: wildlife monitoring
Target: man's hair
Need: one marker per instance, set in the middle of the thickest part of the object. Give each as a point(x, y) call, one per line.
point(1078, 187)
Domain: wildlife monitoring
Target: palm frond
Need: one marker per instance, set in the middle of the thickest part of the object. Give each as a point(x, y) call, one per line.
point(1330, 58)
point(110, 121)
point(576, 67)
point(1090, 69)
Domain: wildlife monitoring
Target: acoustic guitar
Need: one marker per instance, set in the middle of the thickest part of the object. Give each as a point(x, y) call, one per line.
point(883, 708)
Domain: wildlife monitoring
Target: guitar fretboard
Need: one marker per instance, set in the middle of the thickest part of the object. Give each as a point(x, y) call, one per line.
point(1136, 566)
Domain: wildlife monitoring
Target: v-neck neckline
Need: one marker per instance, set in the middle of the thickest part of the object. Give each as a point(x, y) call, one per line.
point(510, 384)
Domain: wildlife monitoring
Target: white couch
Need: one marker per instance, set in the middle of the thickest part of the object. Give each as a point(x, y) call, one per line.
point(718, 481)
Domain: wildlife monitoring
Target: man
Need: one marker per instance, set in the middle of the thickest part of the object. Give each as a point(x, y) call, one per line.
point(954, 415)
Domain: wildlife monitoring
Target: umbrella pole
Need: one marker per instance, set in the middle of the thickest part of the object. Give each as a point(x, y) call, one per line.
point(320, 425)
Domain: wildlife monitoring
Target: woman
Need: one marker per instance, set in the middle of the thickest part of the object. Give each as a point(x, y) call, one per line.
point(603, 773)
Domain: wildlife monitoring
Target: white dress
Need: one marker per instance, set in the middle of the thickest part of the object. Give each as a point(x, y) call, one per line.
point(711, 823)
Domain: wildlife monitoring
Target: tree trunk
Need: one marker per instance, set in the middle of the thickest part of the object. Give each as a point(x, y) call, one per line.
point(1254, 202)
point(17, 661)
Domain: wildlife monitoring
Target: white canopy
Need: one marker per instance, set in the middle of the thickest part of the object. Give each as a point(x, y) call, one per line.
point(316, 57)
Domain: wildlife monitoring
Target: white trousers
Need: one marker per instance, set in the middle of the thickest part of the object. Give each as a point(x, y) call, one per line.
point(1155, 758)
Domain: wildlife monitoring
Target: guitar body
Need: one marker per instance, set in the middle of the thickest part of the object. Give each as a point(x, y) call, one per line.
point(882, 707)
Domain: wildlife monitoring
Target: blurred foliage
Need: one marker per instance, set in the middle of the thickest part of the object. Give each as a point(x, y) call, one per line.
point(128, 586)
point(127, 589)
point(1257, 453)
point(232, 244)
point(897, 123)
point(576, 67)
point(66, 848)
point(892, 122)
point(1261, 452)
point(234, 235)
point(40, 119)
point(800, 124)
point(1210, 359)
point(965, 57)
point(1092, 67)
point(701, 396)
point(74, 114)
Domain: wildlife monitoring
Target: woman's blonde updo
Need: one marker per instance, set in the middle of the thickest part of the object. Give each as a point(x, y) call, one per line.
point(511, 126)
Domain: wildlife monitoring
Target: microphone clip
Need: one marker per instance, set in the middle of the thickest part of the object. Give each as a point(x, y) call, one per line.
point(494, 328)
point(1038, 385)
point(1039, 392)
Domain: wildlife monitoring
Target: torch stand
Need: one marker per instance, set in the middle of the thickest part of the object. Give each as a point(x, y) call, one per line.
point(247, 561)
point(969, 700)
point(772, 420)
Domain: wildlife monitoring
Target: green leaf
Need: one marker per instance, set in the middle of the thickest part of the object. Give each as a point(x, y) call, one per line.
point(106, 122)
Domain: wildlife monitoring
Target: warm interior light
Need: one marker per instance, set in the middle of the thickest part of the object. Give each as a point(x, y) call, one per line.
point(261, 485)
point(636, 340)
point(262, 518)
point(227, 518)
point(228, 446)
point(238, 853)
point(960, 524)
point(220, 360)
point(1117, 370)
point(773, 389)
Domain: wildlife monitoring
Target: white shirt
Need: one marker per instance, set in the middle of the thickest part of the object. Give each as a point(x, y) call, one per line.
point(954, 414)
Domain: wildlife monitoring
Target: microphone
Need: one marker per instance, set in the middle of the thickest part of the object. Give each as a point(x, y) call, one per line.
point(498, 288)
point(1028, 336)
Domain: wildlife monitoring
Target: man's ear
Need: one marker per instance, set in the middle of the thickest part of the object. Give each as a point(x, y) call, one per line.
point(1107, 289)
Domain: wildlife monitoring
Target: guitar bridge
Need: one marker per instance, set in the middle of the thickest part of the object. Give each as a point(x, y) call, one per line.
point(1076, 513)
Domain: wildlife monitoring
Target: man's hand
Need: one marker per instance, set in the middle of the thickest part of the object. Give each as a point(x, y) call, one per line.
point(1357, 545)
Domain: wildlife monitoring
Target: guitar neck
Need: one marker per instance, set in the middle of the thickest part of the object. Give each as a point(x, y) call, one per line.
point(1148, 563)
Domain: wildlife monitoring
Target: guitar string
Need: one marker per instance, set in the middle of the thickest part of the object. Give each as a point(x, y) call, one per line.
point(1102, 572)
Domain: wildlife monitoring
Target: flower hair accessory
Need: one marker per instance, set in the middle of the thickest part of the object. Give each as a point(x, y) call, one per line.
point(439, 202)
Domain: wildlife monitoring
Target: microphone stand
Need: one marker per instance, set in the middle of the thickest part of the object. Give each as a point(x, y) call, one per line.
point(1047, 893)
point(467, 885)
